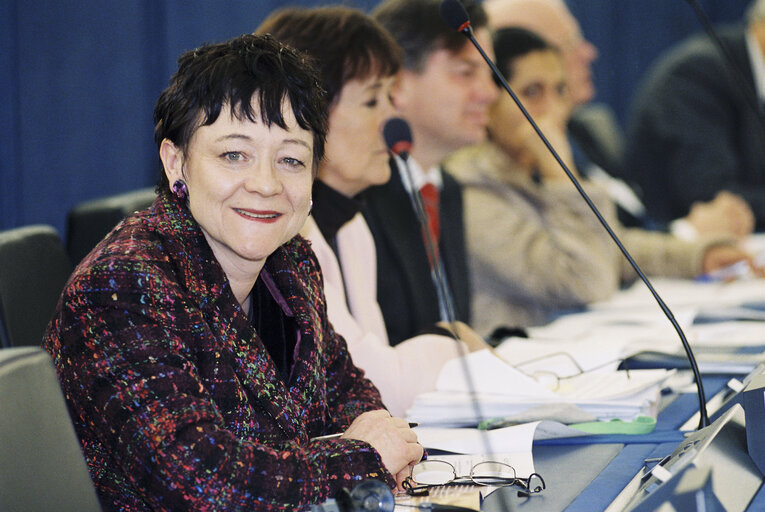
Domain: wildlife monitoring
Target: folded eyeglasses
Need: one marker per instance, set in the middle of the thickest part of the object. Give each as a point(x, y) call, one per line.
point(435, 473)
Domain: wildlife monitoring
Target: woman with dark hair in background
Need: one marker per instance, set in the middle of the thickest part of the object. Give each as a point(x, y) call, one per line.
point(193, 344)
point(358, 61)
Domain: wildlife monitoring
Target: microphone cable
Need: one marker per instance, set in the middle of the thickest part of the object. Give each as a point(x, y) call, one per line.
point(455, 15)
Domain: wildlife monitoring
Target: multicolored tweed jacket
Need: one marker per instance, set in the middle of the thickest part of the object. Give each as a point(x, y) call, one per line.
point(176, 401)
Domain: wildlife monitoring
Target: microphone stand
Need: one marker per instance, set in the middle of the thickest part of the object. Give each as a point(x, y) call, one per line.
point(398, 138)
point(450, 11)
point(442, 289)
point(445, 300)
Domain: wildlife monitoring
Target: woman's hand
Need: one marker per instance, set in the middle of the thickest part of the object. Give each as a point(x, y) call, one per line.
point(525, 146)
point(718, 257)
point(465, 333)
point(403, 475)
point(391, 437)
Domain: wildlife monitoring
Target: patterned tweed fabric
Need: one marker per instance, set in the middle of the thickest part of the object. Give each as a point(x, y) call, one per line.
point(175, 400)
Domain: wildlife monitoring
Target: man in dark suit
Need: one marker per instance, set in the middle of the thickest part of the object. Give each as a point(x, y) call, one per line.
point(444, 92)
point(696, 126)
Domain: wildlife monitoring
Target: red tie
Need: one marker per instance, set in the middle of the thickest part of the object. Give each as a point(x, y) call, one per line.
point(429, 194)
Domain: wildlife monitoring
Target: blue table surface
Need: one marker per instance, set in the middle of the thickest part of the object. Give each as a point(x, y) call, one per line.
point(608, 481)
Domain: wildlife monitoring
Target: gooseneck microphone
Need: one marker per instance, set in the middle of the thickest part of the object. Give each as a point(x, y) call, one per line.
point(455, 15)
point(398, 138)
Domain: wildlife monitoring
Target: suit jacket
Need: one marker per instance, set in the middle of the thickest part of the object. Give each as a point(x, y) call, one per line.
point(693, 133)
point(175, 399)
point(405, 290)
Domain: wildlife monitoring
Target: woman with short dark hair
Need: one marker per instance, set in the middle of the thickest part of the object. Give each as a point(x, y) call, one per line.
point(193, 344)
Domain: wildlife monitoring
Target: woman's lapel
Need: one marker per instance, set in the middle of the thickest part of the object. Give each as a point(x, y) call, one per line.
point(295, 404)
point(304, 299)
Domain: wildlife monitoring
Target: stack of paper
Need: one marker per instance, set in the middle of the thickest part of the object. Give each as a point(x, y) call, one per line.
point(680, 293)
point(481, 386)
point(602, 339)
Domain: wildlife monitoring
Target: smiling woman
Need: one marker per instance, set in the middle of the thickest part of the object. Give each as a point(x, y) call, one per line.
point(193, 344)
point(248, 186)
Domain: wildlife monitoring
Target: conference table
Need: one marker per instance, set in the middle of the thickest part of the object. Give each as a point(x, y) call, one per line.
point(609, 472)
point(591, 473)
point(588, 474)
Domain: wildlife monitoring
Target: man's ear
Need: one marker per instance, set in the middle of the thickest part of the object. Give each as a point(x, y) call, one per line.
point(400, 91)
point(172, 160)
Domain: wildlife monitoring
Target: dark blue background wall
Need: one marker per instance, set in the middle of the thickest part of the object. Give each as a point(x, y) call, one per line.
point(79, 79)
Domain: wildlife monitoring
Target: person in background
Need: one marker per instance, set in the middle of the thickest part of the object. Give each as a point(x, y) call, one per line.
point(724, 213)
point(443, 91)
point(552, 20)
point(535, 247)
point(358, 61)
point(193, 344)
point(697, 126)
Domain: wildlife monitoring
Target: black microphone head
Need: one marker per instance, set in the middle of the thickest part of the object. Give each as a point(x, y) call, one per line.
point(455, 15)
point(398, 136)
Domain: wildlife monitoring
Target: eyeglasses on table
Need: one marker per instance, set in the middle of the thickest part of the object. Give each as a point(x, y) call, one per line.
point(552, 380)
point(436, 473)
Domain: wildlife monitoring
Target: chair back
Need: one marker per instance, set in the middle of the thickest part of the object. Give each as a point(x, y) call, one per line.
point(89, 222)
point(33, 270)
point(41, 463)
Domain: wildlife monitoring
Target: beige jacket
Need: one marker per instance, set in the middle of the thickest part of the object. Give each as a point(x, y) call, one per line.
point(537, 249)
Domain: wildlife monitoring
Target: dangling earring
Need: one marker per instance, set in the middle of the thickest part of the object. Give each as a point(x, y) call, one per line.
point(310, 206)
point(179, 189)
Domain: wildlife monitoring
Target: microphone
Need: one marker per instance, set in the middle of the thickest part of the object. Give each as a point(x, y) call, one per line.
point(398, 138)
point(455, 15)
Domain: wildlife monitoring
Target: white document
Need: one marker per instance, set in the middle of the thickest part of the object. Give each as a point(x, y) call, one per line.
point(733, 313)
point(511, 445)
point(582, 325)
point(483, 372)
point(601, 339)
point(562, 357)
point(680, 293)
point(513, 439)
point(729, 334)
